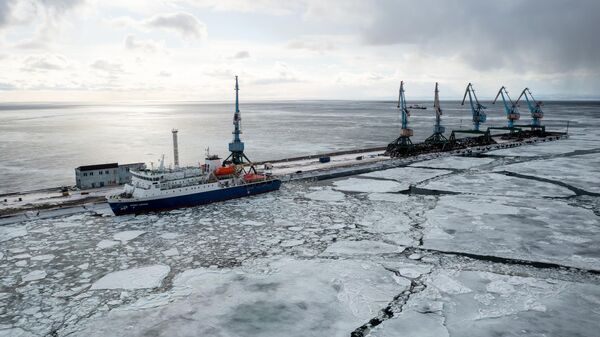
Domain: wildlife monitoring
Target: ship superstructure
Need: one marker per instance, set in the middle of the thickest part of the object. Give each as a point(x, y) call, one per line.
point(168, 188)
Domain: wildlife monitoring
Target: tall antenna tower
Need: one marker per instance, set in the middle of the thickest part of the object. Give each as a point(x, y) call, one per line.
point(175, 149)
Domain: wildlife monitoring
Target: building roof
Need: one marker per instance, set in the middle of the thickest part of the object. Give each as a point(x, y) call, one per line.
point(97, 167)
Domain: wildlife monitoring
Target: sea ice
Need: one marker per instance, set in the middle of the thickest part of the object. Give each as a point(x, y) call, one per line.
point(407, 175)
point(127, 235)
point(45, 257)
point(367, 185)
point(298, 297)
point(454, 162)
point(522, 228)
point(11, 232)
point(170, 236)
point(171, 252)
point(497, 184)
point(252, 223)
point(106, 244)
point(291, 243)
point(34, 276)
point(364, 247)
point(562, 169)
point(511, 305)
point(411, 324)
point(135, 278)
point(326, 195)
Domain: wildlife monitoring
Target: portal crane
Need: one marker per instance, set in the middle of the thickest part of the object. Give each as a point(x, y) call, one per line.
point(535, 107)
point(403, 144)
point(236, 147)
point(438, 129)
point(510, 107)
point(477, 109)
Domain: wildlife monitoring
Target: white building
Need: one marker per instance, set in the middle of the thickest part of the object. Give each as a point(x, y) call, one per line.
point(112, 174)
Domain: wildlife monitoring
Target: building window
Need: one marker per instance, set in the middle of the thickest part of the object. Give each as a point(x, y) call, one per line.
point(100, 172)
point(91, 173)
point(85, 174)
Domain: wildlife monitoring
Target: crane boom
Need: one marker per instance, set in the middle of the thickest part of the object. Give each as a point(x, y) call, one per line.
point(535, 107)
point(477, 109)
point(510, 108)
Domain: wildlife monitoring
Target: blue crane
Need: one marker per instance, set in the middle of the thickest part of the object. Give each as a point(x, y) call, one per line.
point(510, 107)
point(402, 144)
point(477, 109)
point(535, 107)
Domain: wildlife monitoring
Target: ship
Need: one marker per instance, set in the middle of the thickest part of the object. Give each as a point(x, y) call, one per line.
point(164, 188)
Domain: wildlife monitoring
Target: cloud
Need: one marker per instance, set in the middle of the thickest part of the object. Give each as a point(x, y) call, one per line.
point(6, 86)
point(106, 66)
point(271, 7)
point(242, 54)
point(313, 43)
point(183, 23)
point(521, 35)
point(45, 63)
point(6, 8)
point(135, 44)
point(281, 73)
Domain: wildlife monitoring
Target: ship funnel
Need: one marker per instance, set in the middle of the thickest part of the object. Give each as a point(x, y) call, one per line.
point(175, 149)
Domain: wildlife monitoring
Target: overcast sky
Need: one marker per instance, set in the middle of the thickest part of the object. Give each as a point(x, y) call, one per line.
point(95, 50)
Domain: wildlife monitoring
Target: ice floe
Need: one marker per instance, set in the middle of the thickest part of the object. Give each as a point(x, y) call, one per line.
point(364, 247)
point(11, 232)
point(562, 169)
point(407, 175)
point(497, 184)
point(134, 278)
point(326, 195)
point(523, 228)
point(454, 162)
point(127, 235)
point(34, 276)
point(316, 297)
point(107, 244)
point(367, 185)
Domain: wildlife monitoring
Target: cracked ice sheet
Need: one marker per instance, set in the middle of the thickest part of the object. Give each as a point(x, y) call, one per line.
point(489, 304)
point(454, 162)
point(406, 175)
point(562, 169)
point(295, 297)
point(497, 184)
point(547, 148)
point(521, 228)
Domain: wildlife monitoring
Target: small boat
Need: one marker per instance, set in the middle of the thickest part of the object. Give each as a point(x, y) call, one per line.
point(417, 106)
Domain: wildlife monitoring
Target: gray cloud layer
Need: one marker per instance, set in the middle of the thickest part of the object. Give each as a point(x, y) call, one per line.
point(549, 35)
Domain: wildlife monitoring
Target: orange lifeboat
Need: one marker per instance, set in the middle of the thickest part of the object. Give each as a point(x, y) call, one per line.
point(225, 170)
point(252, 177)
